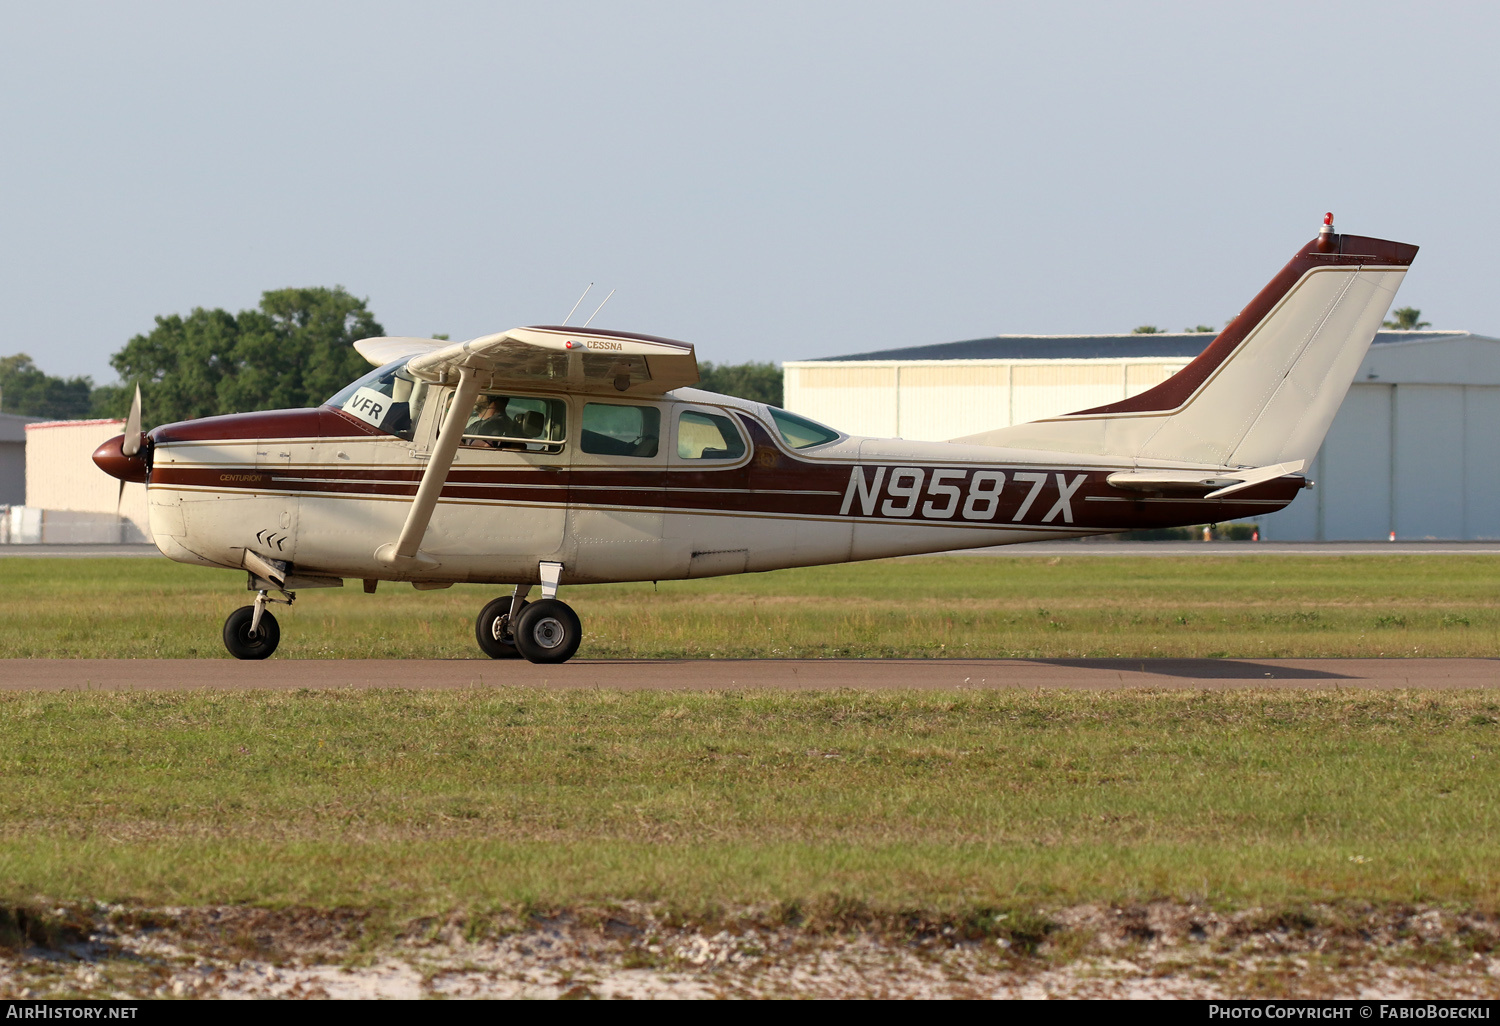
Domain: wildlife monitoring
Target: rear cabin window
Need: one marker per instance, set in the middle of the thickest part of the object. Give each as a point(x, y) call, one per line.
point(799, 432)
point(704, 436)
point(611, 429)
point(521, 423)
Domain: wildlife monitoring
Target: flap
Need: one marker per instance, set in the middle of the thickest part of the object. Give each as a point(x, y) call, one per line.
point(611, 362)
point(383, 350)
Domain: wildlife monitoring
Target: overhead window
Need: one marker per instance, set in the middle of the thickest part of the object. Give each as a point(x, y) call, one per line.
point(611, 429)
point(799, 432)
point(705, 436)
point(519, 422)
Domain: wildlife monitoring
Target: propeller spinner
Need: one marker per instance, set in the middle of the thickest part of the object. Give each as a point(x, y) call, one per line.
point(121, 456)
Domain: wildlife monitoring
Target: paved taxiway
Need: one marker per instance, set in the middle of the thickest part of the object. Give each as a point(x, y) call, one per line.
point(743, 674)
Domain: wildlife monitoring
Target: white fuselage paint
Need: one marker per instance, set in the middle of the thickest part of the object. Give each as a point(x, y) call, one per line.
point(897, 498)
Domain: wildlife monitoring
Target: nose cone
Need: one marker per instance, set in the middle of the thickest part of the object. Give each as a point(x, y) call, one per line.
point(112, 460)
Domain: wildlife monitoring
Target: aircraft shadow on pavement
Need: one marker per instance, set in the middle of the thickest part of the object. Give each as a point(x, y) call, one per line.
point(1215, 669)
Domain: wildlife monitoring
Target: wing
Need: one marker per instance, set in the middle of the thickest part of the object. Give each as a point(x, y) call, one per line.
point(579, 361)
point(381, 351)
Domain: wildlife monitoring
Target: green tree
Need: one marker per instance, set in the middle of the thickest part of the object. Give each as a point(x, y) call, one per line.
point(759, 382)
point(1201, 327)
point(1145, 329)
point(1408, 318)
point(27, 390)
point(295, 350)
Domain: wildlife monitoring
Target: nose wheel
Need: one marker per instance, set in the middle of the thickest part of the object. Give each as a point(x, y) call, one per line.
point(245, 641)
point(251, 632)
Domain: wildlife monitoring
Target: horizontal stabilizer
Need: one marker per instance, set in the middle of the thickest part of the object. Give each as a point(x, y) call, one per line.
point(1223, 482)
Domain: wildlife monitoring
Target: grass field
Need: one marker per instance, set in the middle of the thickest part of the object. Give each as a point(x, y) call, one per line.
point(429, 801)
point(1267, 607)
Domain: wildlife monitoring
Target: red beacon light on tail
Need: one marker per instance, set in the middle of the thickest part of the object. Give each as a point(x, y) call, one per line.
point(1326, 234)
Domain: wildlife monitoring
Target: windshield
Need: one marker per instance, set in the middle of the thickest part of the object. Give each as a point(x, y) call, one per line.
point(388, 398)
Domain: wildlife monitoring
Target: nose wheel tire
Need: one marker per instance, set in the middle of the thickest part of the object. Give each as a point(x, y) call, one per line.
point(493, 630)
point(548, 631)
point(243, 644)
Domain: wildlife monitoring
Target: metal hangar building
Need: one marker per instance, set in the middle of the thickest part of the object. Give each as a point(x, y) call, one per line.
point(1414, 450)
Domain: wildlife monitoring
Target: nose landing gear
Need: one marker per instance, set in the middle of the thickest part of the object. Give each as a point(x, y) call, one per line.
point(252, 633)
point(545, 631)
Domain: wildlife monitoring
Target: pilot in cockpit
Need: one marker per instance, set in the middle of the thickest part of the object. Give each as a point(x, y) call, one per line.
point(492, 419)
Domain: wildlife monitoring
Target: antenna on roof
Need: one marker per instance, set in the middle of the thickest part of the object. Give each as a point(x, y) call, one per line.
point(575, 305)
point(601, 307)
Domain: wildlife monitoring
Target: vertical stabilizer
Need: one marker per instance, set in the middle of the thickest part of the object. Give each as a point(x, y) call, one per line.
point(1267, 388)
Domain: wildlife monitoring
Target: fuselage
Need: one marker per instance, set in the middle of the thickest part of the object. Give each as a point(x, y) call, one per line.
point(322, 489)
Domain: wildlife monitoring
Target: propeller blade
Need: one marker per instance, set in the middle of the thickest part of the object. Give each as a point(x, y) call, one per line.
point(120, 498)
point(132, 443)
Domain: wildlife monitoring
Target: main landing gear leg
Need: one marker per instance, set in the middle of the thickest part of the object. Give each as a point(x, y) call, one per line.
point(547, 631)
point(251, 632)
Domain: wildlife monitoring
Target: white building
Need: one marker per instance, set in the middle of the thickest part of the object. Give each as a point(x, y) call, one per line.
point(1413, 449)
point(68, 498)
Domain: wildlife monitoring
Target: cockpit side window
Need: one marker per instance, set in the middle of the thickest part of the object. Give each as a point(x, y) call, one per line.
point(705, 436)
point(522, 423)
point(389, 399)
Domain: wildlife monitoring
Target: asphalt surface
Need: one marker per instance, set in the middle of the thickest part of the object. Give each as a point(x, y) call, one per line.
point(78, 551)
point(1060, 548)
point(747, 674)
point(1236, 548)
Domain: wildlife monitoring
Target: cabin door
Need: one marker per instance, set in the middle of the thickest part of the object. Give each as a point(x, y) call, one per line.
point(505, 501)
point(616, 493)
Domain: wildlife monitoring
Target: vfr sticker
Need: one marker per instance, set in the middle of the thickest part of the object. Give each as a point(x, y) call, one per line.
point(368, 405)
point(903, 493)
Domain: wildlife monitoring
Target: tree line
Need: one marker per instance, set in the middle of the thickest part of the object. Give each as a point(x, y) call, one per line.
point(1406, 318)
point(294, 350)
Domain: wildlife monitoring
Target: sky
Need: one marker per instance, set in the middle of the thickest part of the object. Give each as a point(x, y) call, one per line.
point(768, 180)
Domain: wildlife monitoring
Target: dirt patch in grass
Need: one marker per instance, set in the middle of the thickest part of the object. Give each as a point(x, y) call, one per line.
point(828, 949)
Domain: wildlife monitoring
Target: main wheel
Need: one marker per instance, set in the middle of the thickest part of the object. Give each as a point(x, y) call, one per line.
point(492, 629)
point(244, 645)
point(548, 631)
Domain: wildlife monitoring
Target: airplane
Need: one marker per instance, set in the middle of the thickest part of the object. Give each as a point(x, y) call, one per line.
point(551, 456)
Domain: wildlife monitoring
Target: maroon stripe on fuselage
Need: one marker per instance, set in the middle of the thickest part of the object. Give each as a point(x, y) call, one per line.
point(885, 492)
point(1347, 251)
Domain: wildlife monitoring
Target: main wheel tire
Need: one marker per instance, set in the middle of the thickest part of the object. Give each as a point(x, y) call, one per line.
point(492, 629)
point(548, 631)
point(244, 645)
